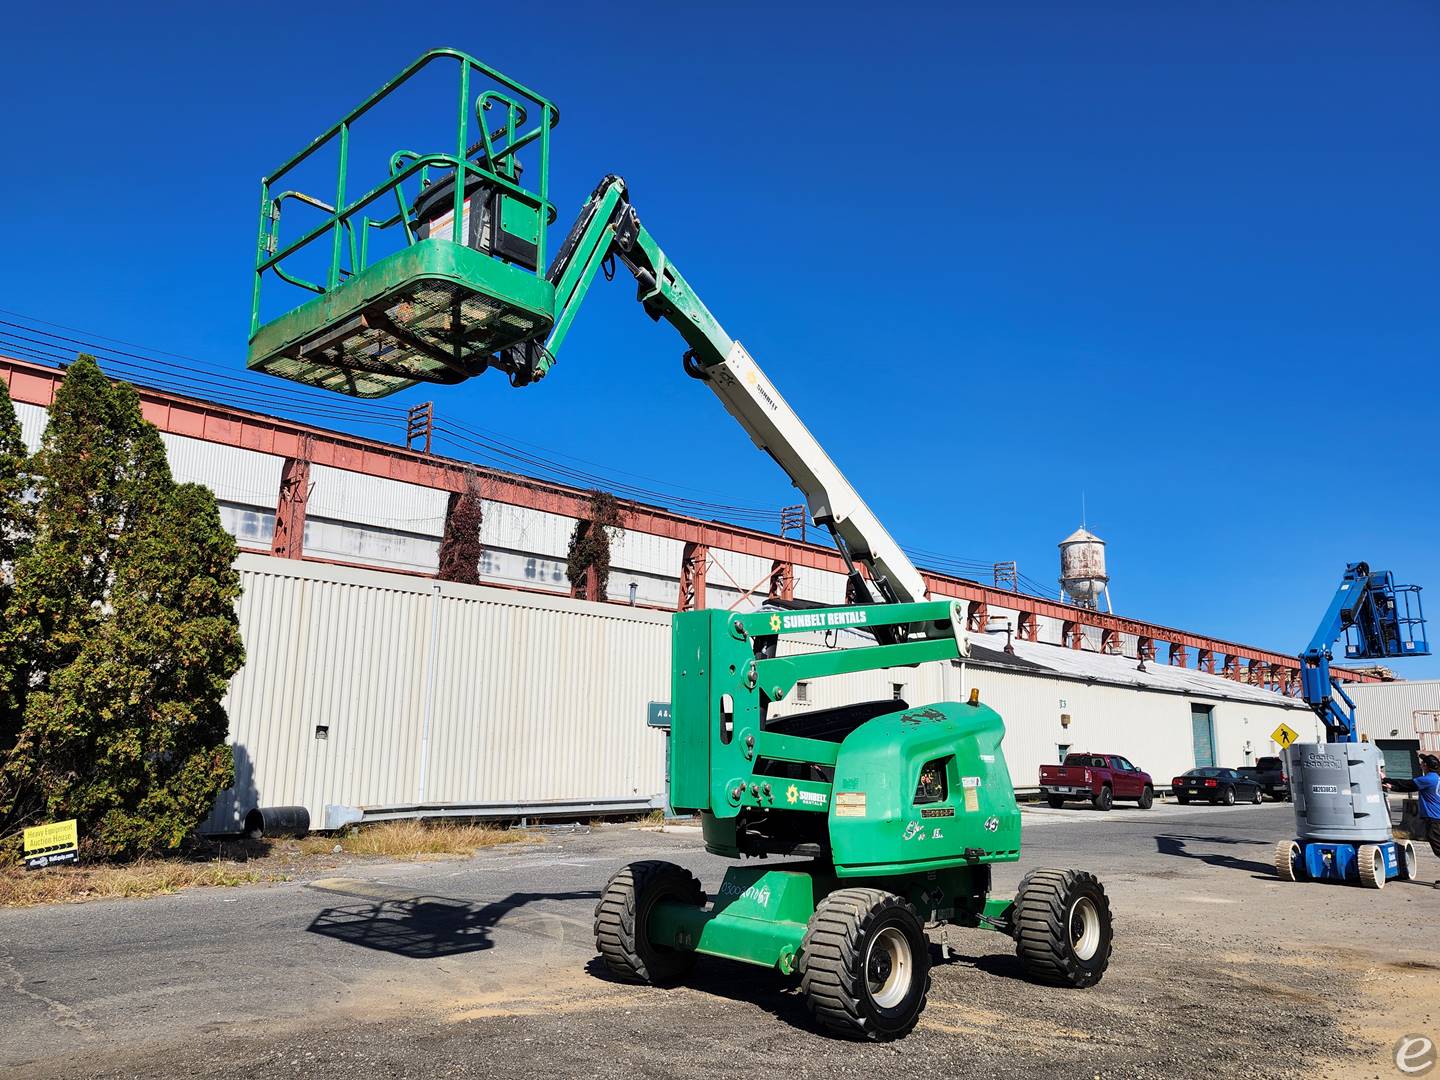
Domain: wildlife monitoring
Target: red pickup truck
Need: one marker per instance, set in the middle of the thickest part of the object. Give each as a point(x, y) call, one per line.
point(1101, 778)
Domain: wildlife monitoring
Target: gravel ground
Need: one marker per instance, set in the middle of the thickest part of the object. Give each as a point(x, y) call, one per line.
point(485, 968)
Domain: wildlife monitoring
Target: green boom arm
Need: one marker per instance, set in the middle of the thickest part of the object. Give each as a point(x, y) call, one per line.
point(608, 226)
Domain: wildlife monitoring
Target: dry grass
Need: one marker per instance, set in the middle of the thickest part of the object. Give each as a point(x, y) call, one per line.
point(415, 839)
point(148, 877)
point(247, 862)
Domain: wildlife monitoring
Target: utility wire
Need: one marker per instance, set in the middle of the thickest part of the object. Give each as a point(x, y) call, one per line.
point(36, 339)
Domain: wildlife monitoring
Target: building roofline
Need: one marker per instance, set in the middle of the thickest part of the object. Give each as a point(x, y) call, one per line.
point(178, 414)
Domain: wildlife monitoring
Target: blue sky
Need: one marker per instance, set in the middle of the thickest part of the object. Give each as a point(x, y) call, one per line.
point(1180, 258)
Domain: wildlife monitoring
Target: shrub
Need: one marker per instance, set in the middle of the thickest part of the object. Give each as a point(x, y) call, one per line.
point(119, 634)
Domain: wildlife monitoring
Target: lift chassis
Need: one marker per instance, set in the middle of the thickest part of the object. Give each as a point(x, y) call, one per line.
point(898, 814)
point(1342, 817)
point(887, 817)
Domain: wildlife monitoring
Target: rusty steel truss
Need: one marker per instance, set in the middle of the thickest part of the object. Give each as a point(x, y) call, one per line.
point(303, 446)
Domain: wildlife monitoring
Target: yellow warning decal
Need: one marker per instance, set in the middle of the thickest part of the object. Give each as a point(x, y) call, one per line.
point(971, 787)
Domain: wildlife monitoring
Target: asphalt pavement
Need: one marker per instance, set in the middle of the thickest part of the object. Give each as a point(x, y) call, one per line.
point(486, 967)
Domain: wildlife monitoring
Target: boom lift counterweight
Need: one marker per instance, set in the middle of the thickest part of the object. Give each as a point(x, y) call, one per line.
point(890, 817)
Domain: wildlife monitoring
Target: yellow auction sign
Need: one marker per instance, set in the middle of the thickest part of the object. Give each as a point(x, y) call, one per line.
point(46, 845)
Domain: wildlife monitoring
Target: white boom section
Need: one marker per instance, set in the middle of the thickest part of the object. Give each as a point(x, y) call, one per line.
point(752, 400)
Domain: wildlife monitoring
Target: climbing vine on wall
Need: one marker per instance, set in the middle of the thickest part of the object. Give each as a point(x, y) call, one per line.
point(460, 550)
point(590, 545)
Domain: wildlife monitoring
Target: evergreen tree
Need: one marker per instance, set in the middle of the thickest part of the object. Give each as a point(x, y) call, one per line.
point(16, 524)
point(15, 508)
point(123, 621)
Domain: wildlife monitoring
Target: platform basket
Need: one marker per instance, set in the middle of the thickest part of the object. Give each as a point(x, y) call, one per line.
point(465, 282)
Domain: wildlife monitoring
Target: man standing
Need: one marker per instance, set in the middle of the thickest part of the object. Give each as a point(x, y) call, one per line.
point(1427, 787)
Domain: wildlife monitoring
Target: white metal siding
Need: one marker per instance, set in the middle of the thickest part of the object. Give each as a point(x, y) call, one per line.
point(233, 473)
point(1388, 710)
point(356, 498)
point(534, 698)
point(33, 419)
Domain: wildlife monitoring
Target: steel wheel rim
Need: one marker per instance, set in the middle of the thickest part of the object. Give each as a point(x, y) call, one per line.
point(1408, 861)
point(888, 967)
point(1377, 864)
point(1084, 923)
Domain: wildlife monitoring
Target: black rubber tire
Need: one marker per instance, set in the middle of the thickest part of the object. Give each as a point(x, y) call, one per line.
point(1104, 798)
point(1045, 909)
point(1055, 801)
point(1227, 797)
point(1259, 797)
point(624, 909)
point(838, 945)
point(1183, 800)
point(1147, 798)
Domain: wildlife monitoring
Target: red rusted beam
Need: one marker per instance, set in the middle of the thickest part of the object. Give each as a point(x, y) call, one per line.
point(693, 562)
point(289, 539)
point(1178, 655)
point(782, 581)
point(977, 617)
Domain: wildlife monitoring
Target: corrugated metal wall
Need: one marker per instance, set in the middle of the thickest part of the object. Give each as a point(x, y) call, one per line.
point(435, 693)
point(1400, 710)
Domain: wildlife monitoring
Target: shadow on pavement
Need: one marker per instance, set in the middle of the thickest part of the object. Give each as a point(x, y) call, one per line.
point(780, 995)
point(426, 927)
point(1175, 844)
point(746, 984)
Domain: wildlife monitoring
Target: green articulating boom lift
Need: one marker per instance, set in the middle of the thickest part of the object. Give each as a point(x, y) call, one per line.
point(887, 817)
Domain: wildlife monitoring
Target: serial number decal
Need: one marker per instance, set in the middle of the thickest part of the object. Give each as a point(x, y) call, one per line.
point(938, 811)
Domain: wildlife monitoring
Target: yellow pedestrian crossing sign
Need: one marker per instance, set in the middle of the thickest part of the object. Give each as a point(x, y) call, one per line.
point(1284, 735)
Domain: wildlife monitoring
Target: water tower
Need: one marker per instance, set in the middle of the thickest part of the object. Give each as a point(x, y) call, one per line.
point(1082, 570)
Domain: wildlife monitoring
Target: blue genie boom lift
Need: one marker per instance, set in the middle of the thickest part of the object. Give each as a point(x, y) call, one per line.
point(1341, 815)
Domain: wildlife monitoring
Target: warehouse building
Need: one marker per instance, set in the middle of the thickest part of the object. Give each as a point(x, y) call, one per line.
point(372, 689)
point(370, 695)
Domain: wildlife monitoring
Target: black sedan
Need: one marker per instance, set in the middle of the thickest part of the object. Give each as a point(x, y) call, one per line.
point(1225, 787)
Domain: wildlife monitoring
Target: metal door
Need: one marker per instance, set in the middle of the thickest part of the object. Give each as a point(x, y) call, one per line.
point(1202, 734)
point(1399, 757)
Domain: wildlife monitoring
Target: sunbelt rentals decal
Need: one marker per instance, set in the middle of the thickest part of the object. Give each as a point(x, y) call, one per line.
point(795, 795)
point(816, 620)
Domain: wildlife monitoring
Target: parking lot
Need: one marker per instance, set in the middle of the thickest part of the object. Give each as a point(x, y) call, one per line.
point(485, 967)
